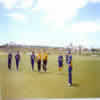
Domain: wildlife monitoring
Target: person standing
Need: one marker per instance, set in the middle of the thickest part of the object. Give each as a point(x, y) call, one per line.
point(9, 60)
point(39, 61)
point(60, 62)
point(32, 60)
point(66, 57)
point(17, 58)
point(69, 68)
point(45, 60)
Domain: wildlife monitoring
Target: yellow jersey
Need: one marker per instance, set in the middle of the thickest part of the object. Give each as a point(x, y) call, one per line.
point(39, 56)
point(45, 56)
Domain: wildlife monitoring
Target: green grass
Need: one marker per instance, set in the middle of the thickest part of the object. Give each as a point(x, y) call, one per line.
point(28, 84)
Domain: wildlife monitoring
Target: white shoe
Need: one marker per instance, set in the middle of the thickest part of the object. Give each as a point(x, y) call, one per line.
point(69, 84)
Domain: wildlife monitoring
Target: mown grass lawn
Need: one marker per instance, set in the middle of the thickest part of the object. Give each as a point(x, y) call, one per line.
point(28, 84)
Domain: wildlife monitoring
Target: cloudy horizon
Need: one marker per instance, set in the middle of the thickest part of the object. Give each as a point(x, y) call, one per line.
point(50, 22)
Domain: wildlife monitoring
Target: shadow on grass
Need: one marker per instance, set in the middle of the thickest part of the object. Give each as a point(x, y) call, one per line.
point(45, 72)
point(58, 73)
point(75, 85)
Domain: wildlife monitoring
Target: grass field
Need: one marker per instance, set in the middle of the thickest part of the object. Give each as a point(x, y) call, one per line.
point(28, 84)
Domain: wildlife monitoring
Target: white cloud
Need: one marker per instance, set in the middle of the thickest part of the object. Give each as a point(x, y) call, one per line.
point(57, 10)
point(82, 32)
point(78, 27)
point(98, 27)
point(35, 10)
point(25, 4)
point(17, 16)
point(60, 10)
point(10, 4)
point(94, 1)
point(84, 27)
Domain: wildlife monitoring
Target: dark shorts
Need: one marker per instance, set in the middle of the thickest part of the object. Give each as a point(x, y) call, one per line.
point(39, 65)
point(39, 62)
point(32, 61)
point(60, 64)
point(17, 63)
point(70, 69)
point(9, 61)
point(45, 62)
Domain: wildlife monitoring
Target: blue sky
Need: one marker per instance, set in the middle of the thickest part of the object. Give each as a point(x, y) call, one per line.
point(50, 22)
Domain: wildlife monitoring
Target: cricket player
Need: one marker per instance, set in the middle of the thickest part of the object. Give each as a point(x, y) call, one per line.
point(39, 61)
point(17, 58)
point(69, 68)
point(66, 56)
point(32, 60)
point(9, 61)
point(45, 60)
point(60, 62)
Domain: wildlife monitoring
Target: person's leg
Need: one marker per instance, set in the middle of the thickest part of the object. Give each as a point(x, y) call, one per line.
point(9, 64)
point(60, 66)
point(32, 65)
point(70, 76)
point(17, 65)
point(39, 66)
point(44, 65)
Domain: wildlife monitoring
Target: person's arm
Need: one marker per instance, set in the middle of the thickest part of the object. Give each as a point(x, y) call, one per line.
point(34, 57)
point(62, 59)
point(30, 58)
point(19, 57)
point(11, 56)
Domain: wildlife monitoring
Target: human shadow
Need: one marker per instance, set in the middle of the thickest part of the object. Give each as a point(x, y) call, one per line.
point(45, 72)
point(75, 85)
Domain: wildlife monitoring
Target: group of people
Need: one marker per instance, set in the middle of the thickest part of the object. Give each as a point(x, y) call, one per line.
point(44, 59)
point(39, 58)
point(69, 63)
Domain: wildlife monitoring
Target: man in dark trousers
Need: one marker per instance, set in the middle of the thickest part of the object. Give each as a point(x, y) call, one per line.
point(17, 58)
point(45, 60)
point(9, 60)
point(60, 62)
point(69, 68)
point(66, 56)
point(39, 61)
point(32, 60)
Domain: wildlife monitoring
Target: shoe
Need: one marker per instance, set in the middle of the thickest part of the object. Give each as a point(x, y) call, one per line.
point(69, 84)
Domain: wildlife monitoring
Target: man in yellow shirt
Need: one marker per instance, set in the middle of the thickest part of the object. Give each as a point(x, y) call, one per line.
point(39, 61)
point(45, 60)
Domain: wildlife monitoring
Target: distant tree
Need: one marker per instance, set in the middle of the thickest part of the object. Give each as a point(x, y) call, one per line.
point(93, 50)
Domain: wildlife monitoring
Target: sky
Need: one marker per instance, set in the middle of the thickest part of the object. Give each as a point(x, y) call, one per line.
point(50, 22)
